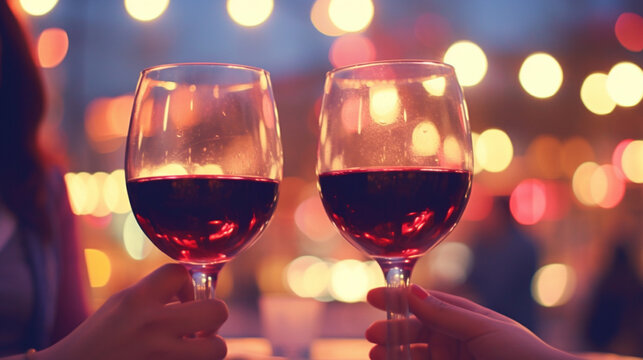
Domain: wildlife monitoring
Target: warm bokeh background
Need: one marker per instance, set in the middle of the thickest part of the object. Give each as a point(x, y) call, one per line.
point(553, 91)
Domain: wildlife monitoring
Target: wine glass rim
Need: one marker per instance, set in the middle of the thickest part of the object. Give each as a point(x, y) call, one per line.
point(390, 62)
point(205, 64)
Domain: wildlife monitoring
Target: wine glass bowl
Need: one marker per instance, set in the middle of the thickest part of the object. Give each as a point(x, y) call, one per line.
point(203, 161)
point(394, 162)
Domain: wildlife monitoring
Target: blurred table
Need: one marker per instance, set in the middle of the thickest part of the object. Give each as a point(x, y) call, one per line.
point(320, 349)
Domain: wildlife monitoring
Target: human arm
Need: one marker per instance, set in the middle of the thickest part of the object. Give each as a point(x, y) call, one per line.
point(140, 322)
point(450, 327)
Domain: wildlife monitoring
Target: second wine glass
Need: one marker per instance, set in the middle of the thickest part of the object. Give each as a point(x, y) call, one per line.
point(203, 162)
point(394, 166)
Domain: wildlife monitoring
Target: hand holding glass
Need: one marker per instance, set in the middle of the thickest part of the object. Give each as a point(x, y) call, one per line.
point(203, 163)
point(394, 166)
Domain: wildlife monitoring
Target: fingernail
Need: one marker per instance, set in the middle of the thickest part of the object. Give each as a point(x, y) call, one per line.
point(419, 292)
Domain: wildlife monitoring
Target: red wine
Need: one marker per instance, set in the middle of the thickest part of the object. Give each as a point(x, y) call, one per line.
point(202, 219)
point(395, 212)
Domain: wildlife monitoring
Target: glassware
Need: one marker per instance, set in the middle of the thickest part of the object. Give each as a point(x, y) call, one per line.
point(394, 166)
point(203, 162)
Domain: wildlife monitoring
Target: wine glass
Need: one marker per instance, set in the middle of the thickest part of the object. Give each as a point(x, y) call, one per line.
point(203, 162)
point(394, 166)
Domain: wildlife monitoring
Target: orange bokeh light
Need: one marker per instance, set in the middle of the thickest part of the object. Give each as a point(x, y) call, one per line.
point(107, 121)
point(575, 151)
point(52, 46)
point(528, 202)
point(543, 155)
point(351, 49)
point(629, 31)
point(118, 115)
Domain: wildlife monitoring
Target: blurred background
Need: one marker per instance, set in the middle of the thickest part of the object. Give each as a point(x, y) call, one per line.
point(553, 232)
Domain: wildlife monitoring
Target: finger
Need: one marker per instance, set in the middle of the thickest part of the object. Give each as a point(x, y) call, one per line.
point(204, 317)
point(456, 321)
point(165, 283)
point(389, 299)
point(418, 352)
point(203, 348)
point(377, 298)
point(470, 305)
point(377, 332)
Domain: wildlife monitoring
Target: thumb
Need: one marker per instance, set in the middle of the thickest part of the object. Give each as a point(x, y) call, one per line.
point(448, 318)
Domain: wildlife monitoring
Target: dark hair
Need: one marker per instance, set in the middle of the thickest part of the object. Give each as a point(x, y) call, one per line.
point(22, 103)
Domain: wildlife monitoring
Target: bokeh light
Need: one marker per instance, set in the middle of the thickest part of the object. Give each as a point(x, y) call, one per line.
point(594, 94)
point(528, 202)
point(321, 19)
point(540, 75)
point(83, 192)
point(107, 121)
point(384, 104)
point(582, 183)
point(38, 7)
point(52, 47)
point(469, 61)
point(425, 139)
point(352, 113)
point(351, 49)
point(97, 183)
point(453, 152)
point(575, 151)
point(172, 169)
point(625, 84)
point(136, 243)
point(477, 168)
point(308, 276)
point(617, 157)
point(99, 267)
point(435, 86)
point(249, 13)
point(629, 31)
point(76, 192)
point(351, 15)
point(450, 263)
point(270, 272)
point(543, 156)
point(146, 10)
point(493, 150)
point(115, 192)
point(606, 187)
point(632, 161)
point(311, 219)
point(553, 285)
point(118, 115)
point(349, 281)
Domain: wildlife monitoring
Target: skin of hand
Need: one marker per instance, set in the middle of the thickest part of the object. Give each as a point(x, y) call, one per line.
point(450, 327)
point(141, 322)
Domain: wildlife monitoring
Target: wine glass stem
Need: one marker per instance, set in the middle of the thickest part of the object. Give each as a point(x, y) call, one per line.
point(204, 279)
point(398, 275)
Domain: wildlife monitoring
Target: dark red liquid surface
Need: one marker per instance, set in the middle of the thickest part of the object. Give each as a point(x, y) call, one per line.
point(391, 213)
point(202, 219)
